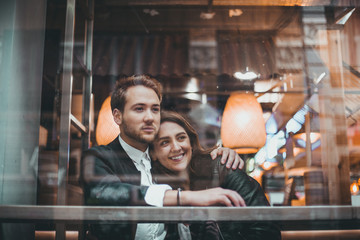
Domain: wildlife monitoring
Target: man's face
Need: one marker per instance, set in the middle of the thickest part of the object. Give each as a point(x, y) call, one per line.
point(140, 121)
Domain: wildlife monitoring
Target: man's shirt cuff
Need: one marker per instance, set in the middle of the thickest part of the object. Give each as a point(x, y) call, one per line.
point(155, 194)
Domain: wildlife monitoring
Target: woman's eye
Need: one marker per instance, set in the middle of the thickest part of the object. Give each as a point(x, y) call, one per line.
point(182, 137)
point(163, 143)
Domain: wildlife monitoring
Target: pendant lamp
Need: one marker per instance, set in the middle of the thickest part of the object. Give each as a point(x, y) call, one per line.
point(243, 125)
point(106, 128)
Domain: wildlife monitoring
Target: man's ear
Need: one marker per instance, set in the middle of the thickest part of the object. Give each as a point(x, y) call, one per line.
point(117, 115)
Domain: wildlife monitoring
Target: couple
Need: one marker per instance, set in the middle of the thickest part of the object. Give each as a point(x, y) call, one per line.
point(120, 173)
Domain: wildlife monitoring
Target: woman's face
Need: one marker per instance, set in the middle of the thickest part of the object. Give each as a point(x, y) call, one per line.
point(172, 147)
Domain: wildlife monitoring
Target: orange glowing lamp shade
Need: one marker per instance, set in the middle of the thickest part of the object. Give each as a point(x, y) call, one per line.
point(243, 125)
point(106, 128)
point(354, 188)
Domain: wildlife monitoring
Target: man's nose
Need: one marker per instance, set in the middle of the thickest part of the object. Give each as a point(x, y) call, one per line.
point(149, 116)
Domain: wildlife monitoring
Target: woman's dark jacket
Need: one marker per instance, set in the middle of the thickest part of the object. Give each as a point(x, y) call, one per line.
point(207, 173)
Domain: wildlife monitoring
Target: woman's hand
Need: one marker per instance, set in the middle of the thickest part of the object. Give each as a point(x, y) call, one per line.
point(228, 156)
point(212, 197)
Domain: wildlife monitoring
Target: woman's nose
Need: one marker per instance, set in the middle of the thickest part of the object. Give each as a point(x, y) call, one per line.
point(176, 147)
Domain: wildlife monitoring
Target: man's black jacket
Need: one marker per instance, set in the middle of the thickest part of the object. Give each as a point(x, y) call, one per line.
point(110, 178)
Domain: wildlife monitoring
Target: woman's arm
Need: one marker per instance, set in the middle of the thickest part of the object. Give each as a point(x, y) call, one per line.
point(253, 195)
point(209, 197)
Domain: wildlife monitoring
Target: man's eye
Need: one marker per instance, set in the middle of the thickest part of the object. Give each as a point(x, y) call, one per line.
point(156, 110)
point(163, 143)
point(139, 109)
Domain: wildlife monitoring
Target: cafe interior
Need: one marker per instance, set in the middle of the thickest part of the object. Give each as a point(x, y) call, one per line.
point(277, 81)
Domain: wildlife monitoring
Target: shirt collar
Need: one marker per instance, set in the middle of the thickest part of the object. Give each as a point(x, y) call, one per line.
point(135, 154)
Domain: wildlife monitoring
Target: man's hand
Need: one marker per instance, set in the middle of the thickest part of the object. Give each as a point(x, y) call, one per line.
point(212, 197)
point(228, 156)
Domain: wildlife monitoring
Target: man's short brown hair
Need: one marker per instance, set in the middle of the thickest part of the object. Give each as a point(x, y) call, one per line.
point(118, 97)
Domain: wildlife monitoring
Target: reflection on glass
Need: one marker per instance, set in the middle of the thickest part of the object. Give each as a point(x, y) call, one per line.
point(295, 60)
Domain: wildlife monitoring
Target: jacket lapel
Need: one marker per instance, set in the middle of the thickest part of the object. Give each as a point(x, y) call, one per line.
point(123, 164)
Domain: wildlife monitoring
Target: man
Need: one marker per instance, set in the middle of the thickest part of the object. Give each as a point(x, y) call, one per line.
point(118, 174)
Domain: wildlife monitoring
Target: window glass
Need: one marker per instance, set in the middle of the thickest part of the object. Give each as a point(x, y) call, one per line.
point(278, 83)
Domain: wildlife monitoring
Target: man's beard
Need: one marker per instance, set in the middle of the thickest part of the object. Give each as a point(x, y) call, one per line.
point(131, 133)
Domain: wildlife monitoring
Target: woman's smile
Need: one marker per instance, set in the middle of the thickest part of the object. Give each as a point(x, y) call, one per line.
point(177, 158)
point(172, 147)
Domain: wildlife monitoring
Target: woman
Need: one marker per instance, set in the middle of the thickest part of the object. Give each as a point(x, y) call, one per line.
point(178, 154)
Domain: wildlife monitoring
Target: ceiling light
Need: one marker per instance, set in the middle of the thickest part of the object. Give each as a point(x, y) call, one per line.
point(246, 76)
point(151, 12)
point(207, 15)
point(235, 12)
point(106, 128)
point(192, 86)
point(242, 126)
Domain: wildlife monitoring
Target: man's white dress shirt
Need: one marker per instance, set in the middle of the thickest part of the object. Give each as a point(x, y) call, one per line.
point(154, 195)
